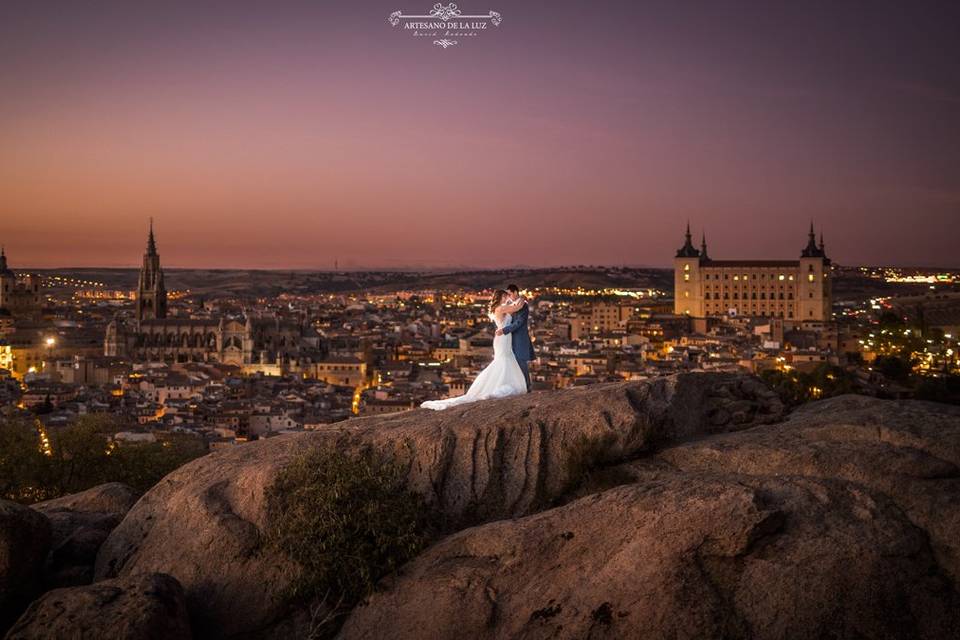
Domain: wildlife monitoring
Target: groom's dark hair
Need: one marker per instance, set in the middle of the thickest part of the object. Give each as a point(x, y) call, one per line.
point(513, 288)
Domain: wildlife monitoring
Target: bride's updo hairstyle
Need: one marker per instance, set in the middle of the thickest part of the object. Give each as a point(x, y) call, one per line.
point(496, 299)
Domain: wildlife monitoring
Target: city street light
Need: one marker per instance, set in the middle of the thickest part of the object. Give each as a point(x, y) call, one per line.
point(50, 343)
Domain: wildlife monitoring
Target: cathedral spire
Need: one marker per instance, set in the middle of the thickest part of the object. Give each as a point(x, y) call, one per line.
point(703, 245)
point(151, 292)
point(151, 243)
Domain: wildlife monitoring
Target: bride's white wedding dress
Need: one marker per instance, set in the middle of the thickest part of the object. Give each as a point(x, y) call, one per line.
point(500, 379)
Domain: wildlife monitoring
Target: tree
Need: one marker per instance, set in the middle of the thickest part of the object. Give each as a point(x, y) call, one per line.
point(943, 389)
point(893, 368)
point(81, 456)
point(24, 469)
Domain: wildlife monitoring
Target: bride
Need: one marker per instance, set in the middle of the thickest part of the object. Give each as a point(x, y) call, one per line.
point(503, 376)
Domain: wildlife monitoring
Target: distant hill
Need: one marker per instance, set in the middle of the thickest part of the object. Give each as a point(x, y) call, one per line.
point(261, 283)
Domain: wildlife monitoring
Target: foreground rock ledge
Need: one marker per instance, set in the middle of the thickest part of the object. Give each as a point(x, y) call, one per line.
point(842, 522)
point(80, 523)
point(24, 542)
point(480, 462)
point(681, 556)
point(142, 607)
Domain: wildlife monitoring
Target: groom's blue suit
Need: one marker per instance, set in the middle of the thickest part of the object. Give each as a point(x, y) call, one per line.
point(519, 331)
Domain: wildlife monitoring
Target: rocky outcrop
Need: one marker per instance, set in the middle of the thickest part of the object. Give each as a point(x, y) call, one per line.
point(114, 498)
point(679, 556)
point(24, 542)
point(479, 462)
point(141, 607)
point(909, 451)
point(842, 521)
point(80, 523)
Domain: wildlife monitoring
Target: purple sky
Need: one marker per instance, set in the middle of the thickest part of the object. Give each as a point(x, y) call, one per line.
point(273, 134)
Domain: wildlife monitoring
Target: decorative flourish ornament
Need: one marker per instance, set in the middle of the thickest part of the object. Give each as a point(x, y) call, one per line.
point(444, 12)
point(445, 43)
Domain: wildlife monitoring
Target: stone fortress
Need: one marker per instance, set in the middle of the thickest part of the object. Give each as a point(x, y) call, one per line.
point(793, 290)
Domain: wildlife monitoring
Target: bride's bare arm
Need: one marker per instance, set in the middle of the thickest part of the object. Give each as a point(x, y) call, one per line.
point(510, 308)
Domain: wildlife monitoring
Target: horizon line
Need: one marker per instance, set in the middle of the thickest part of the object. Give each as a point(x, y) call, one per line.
point(448, 269)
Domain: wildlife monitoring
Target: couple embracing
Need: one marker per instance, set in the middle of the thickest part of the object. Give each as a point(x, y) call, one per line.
point(509, 373)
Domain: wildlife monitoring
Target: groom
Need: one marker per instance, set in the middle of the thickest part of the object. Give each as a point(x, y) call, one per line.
point(520, 333)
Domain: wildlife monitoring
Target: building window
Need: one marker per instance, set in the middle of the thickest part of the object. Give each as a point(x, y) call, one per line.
point(686, 277)
point(781, 276)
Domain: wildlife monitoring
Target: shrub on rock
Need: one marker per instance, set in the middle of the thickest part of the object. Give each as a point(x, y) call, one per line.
point(346, 520)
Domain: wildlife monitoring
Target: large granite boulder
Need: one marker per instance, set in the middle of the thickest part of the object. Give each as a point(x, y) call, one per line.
point(909, 451)
point(114, 498)
point(24, 542)
point(485, 461)
point(80, 523)
point(679, 555)
point(841, 522)
point(140, 607)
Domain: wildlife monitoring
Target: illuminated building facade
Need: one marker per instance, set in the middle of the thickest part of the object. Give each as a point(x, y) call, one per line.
point(270, 344)
point(798, 290)
point(21, 296)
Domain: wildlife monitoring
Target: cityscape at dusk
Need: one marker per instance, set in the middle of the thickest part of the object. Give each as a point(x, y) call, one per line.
point(446, 320)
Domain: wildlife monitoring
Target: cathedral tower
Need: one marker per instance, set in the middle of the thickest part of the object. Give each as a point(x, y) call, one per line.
point(151, 294)
point(8, 280)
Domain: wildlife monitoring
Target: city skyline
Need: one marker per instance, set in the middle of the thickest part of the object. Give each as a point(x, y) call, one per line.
point(291, 136)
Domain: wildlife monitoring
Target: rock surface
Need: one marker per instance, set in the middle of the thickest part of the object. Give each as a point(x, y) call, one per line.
point(491, 460)
point(679, 555)
point(114, 498)
point(80, 523)
point(843, 521)
point(141, 607)
point(24, 542)
point(909, 451)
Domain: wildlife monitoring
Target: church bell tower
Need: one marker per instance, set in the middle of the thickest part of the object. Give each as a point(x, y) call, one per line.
point(151, 294)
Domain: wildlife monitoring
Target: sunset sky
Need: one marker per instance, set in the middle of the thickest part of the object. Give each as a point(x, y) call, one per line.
point(290, 134)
